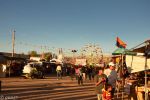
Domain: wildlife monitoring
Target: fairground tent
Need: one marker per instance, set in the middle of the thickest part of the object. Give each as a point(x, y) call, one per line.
point(123, 51)
point(141, 63)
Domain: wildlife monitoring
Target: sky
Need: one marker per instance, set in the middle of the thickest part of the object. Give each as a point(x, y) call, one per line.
point(46, 25)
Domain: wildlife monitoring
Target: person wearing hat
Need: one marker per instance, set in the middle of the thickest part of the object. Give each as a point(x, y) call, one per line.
point(111, 74)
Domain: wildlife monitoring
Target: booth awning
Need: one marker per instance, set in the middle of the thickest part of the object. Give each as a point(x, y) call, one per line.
point(120, 51)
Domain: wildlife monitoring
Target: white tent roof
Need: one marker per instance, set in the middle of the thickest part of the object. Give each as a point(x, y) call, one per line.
point(55, 60)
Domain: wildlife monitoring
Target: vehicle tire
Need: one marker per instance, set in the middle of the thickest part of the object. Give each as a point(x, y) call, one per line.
point(32, 77)
point(40, 75)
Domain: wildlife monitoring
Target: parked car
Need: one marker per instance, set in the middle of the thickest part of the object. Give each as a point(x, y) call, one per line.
point(33, 70)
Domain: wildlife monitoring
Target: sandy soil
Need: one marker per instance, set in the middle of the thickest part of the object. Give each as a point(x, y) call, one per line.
point(47, 89)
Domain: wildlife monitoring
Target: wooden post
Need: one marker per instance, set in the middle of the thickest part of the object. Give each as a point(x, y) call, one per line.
point(0, 86)
point(122, 71)
point(146, 92)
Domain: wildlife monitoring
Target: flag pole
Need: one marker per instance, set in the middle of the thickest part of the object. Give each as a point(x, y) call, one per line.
point(122, 71)
point(121, 44)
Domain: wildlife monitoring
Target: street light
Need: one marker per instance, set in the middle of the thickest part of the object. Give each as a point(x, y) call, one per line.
point(74, 51)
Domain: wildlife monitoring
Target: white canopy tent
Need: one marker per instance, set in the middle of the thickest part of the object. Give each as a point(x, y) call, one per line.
point(56, 61)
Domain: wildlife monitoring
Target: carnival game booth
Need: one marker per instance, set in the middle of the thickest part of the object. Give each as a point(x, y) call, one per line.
point(139, 66)
point(137, 62)
point(119, 59)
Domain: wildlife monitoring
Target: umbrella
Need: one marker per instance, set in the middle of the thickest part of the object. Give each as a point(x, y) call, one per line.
point(119, 51)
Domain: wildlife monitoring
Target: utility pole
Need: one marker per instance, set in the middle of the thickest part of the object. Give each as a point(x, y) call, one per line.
point(13, 47)
point(13, 43)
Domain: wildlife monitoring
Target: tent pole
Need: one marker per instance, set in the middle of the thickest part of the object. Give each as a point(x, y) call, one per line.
point(146, 94)
point(122, 76)
point(146, 81)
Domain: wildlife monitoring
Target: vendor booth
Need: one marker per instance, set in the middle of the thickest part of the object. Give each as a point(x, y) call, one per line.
point(141, 64)
point(136, 60)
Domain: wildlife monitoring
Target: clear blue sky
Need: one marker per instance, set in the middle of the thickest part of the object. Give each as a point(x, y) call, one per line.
point(73, 23)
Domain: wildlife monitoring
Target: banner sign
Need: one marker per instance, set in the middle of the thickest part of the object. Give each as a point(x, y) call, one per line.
point(80, 62)
point(136, 63)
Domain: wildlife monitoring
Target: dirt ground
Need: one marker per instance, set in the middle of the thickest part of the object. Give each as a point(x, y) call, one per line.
point(47, 89)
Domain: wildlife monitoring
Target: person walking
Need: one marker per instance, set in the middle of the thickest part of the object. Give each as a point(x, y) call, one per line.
point(111, 74)
point(80, 77)
point(100, 83)
point(72, 72)
point(93, 73)
point(59, 71)
point(84, 72)
point(76, 72)
point(90, 72)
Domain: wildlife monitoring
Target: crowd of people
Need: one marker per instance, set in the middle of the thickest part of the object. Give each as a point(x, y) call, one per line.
point(78, 72)
point(106, 82)
point(105, 78)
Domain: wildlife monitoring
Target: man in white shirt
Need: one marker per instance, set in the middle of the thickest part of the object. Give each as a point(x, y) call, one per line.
point(112, 76)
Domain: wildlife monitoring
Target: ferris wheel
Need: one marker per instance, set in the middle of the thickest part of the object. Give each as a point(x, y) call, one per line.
point(92, 52)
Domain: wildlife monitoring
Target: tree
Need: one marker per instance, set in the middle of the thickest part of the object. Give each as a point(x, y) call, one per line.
point(32, 54)
point(48, 56)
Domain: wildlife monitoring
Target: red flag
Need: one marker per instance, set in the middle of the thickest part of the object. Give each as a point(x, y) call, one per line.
point(120, 43)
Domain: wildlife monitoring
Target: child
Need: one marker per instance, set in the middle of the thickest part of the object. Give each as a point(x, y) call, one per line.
point(107, 92)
